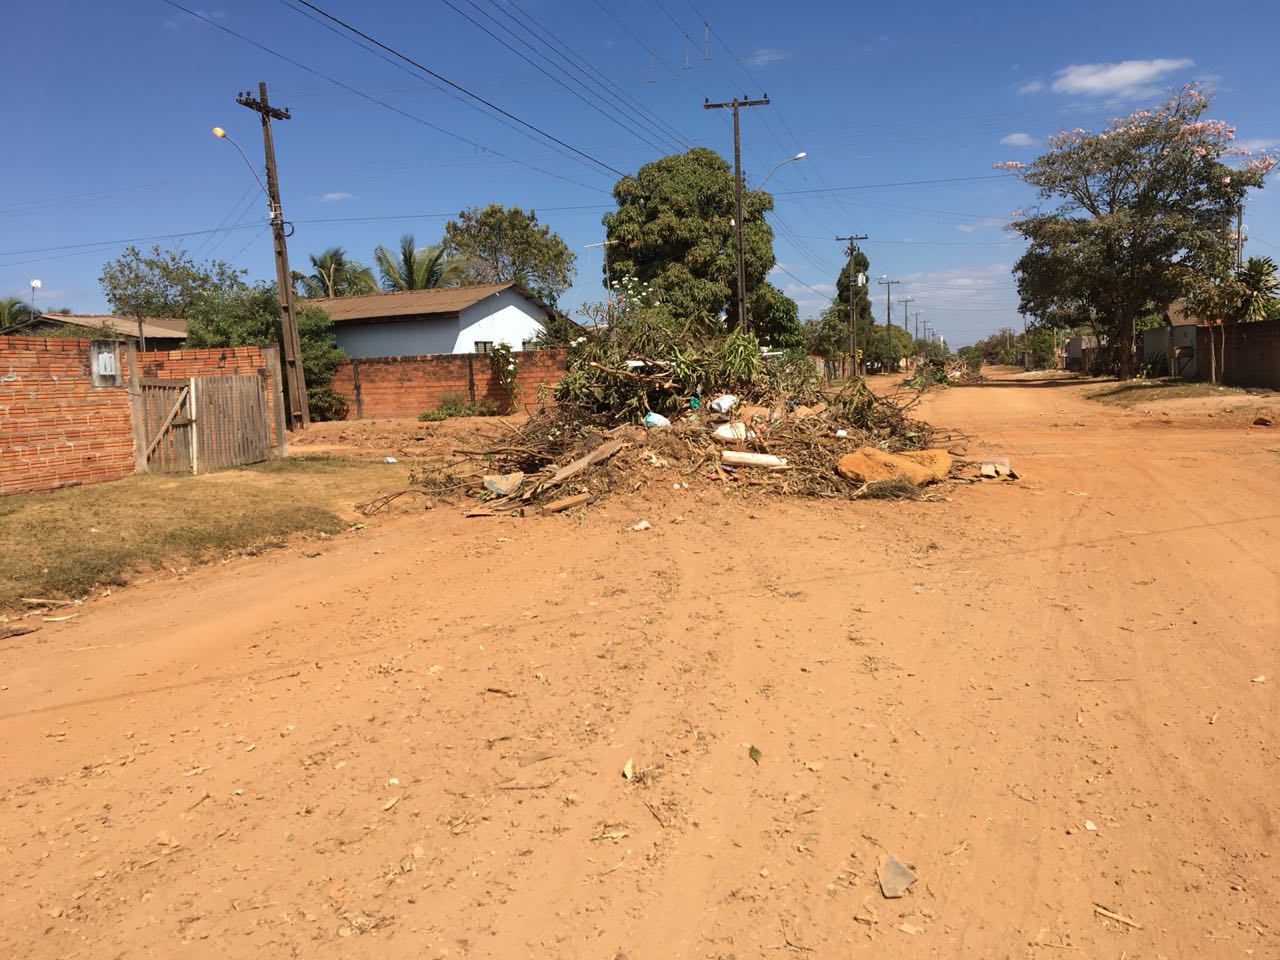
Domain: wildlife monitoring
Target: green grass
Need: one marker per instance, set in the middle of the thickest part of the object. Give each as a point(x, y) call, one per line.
point(1166, 388)
point(69, 542)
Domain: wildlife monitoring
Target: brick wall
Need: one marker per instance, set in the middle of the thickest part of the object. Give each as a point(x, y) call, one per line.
point(56, 428)
point(218, 362)
point(1251, 357)
point(406, 386)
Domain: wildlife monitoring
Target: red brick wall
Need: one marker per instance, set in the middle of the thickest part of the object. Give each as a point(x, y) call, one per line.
point(406, 386)
point(212, 362)
point(56, 428)
point(1251, 357)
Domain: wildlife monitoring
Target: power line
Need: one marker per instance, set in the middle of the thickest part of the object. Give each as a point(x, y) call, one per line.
point(612, 118)
point(457, 86)
point(895, 183)
point(539, 28)
point(372, 99)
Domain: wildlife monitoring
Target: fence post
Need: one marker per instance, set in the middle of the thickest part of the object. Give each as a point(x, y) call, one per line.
point(194, 430)
point(355, 386)
point(271, 357)
point(137, 414)
point(471, 378)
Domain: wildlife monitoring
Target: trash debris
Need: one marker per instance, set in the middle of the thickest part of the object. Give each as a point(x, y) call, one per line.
point(1260, 678)
point(997, 469)
point(642, 525)
point(731, 432)
point(567, 503)
point(628, 770)
point(842, 433)
point(754, 753)
point(656, 420)
point(504, 484)
point(1090, 826)
point(723, 403)
point(910, 928)
point(1102, 911)
point(390, 460)
point(895, 877)
point(740, 458)
point(868, 465)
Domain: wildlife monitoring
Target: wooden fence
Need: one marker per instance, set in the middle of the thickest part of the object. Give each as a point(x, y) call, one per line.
point(199, 424)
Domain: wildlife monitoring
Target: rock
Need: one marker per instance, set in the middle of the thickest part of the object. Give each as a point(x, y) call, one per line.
point(1262, 421)
point(642, 525)
point(868, 464)
point(895, 877)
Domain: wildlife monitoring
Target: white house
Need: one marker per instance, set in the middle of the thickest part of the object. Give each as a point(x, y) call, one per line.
point(446, 320)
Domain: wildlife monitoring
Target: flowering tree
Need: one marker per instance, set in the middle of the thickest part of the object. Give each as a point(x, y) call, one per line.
point(1138, 215)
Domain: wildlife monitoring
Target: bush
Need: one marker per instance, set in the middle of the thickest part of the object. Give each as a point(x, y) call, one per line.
point(326, 403)
point(452, 405)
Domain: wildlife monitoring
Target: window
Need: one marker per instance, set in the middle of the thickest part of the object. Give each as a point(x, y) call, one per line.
point(484, 346)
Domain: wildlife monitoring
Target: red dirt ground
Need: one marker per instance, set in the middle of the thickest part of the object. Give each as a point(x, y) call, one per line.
point(412, 745)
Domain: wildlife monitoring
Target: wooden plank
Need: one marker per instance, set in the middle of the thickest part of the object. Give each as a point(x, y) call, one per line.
point(164, 425)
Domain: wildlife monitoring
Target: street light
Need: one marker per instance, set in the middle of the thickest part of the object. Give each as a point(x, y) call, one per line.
point(799, 156)
point(222, 135)
point(608, 279)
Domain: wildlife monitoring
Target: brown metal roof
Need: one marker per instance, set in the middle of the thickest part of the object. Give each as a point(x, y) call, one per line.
point(160, 328)
point(404, 304)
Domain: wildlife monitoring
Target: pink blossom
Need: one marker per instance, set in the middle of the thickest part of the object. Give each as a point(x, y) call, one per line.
point(1262, 164)
point(1008, 165)
point(1226, 179)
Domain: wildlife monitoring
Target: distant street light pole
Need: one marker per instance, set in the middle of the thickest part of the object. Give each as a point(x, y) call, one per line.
point(35, 285)
point(608, 279)
point(855, 280)
point(735, 104)
point(885, 282)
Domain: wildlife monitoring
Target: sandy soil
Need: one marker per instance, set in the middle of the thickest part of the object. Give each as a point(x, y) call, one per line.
point(1046, 697)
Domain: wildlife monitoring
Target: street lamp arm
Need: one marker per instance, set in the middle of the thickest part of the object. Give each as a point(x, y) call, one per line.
point(799, 156)
point(222, 135)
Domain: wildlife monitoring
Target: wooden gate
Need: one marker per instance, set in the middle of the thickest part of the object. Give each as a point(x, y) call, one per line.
point(203, 423)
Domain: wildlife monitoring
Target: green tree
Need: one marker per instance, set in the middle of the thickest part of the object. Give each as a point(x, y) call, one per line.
point(1136, 219)
point(13, 311)
point(673, 230)
point(498, 244)
point(417, 268)
point(1259, 290)
point(776, 319)
point(252, 318)
point(334, 274)
point(165, 283)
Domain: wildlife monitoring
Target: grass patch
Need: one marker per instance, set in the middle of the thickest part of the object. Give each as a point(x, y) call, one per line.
point(1166, 388)
point(66, 543)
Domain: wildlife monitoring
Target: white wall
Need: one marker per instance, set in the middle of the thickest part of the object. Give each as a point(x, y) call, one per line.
point(405, 338)
point(506, 316)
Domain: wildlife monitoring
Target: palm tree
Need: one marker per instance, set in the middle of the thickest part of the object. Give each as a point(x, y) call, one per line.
point(1260, 295)
point(335, 275)
point(13, 310)
point(417, 268)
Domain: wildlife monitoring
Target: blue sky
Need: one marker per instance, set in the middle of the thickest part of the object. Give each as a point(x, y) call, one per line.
point(109, 107)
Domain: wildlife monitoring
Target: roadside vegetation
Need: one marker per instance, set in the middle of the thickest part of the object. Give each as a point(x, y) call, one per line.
point(67, 543)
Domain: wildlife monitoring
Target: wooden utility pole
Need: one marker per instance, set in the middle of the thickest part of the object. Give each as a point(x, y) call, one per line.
point(735, 104)
point(888, 315)
point(299, 411)
point(853, 319)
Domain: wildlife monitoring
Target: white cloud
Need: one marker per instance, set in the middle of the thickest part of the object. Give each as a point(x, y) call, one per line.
point(1127, 79)
point(986, 223)
point(1033, 86)
point(1020, 140)
point(792, 289)
point(880, 44)
point(336, 195)
point(954, 286)
point(179, 23)
point(767, 55)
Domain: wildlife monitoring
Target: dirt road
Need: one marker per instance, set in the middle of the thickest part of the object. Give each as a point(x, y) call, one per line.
point(1041, 696)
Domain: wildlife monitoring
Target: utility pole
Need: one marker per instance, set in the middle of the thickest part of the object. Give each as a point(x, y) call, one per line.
point(888, 313)
point(735, 104)
point(917, 316)
point(299, 411)
point(853, 317)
